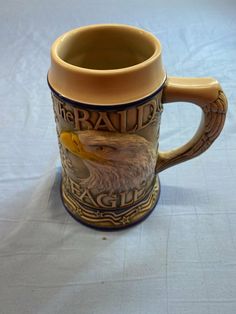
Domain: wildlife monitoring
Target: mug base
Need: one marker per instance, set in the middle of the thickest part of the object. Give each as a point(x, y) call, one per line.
point(111, 220)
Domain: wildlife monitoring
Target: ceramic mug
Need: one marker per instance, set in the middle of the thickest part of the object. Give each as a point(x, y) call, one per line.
point(108, 88)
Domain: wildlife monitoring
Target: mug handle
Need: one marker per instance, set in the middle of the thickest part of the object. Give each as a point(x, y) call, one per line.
point(208, 95)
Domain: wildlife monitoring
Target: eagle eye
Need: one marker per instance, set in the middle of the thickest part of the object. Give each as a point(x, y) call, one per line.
point(103, 148)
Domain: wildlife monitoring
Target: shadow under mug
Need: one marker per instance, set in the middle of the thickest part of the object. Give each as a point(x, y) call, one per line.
point(108, 88)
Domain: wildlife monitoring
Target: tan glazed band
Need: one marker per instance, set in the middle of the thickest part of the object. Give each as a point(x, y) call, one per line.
point(106, 86)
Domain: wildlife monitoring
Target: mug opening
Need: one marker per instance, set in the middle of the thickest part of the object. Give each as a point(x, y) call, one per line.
point(107, 47)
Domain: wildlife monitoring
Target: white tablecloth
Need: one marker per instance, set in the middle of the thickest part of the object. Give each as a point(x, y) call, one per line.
point(182, 259)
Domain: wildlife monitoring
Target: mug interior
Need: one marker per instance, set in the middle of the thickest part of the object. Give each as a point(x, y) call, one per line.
point(106, 48)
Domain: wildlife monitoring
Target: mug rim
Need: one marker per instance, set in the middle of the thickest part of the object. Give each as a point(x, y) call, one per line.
point(147, 35)
point(107, 87)
point(111, 107)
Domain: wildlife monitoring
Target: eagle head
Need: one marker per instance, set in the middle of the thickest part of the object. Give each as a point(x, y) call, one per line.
point(123, 160)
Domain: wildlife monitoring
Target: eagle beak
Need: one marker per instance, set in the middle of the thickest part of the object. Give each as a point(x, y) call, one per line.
point(71, 141)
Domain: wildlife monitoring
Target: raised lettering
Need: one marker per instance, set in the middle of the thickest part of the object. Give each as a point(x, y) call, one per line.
point(86, 194)
point(75, 188)
point(69, 116)
point(82, 119)
point(103, 122)
point(123, 201)
point(151, 117)
point(123, 120)
point(138, 194)
point(111, 200)
point(61, 110)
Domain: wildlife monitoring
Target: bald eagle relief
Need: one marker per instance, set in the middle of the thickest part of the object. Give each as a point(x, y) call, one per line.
point(121, 166)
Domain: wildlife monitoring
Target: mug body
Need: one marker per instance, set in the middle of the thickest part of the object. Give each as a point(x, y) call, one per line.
point(106, 83)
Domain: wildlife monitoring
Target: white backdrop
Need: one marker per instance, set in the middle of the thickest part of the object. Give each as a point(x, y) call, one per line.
point(182, 259)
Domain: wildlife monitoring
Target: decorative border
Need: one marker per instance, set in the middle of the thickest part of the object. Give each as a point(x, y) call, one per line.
point(115, 107)
point(111, 220)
